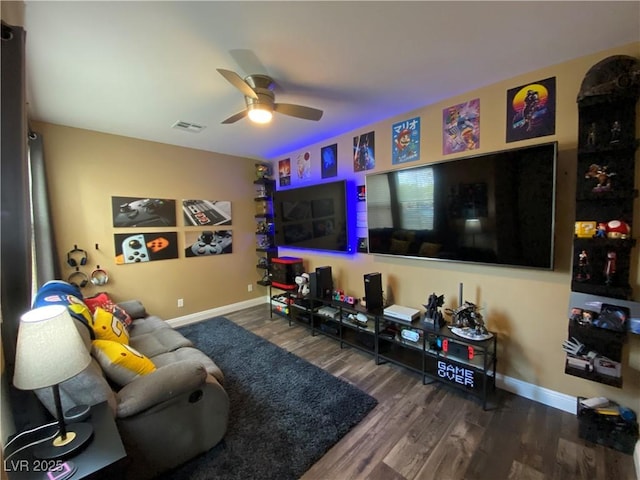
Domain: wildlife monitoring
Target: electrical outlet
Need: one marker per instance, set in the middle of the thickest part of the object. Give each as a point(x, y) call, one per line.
point(250, 287)
point(180, 302)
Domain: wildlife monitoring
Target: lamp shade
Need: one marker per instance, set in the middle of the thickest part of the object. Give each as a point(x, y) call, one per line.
point(49, 349)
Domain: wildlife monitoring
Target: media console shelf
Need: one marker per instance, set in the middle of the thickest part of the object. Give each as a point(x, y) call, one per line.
point(434, 354)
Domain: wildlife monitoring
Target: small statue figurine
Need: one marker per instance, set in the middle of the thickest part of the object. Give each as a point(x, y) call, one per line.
point(467, 315)
point(263, 170)
point(582, 273)
point(601, 231)
point(433, 313)
point(610, 267)
point(616, 129)
point(591, 135)
point(602, 175)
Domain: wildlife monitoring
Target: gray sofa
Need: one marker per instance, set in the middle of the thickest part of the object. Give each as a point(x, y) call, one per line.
point(165, 417)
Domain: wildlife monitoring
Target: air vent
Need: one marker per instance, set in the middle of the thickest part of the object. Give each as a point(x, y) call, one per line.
point(188, 126)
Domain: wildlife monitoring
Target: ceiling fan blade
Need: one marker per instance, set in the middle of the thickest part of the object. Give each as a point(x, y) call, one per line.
point(306, 113)
point(234, 79)
point(236, 117)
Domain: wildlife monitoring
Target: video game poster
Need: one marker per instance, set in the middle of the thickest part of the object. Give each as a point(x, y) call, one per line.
point(461, 127)
point(143, 212)
point(284, 172)
point(329, 166)
point(206, 213)
point(405, 139)
point(364, 152)
point(208, 242)
point(531, 110)
point(145, 247)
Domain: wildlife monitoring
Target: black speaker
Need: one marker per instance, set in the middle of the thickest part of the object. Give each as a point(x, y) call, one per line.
point(373, 292)
point(313, 285)
point(324, 281)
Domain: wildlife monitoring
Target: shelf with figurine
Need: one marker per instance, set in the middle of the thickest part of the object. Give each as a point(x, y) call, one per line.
point(264, 218)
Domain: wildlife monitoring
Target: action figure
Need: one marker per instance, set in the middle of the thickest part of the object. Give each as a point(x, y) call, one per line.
point(583, 267)
point(601, 231)
point(602, 175)
point(591, 135)
point(610, 267)
point(468, 316)
point(615, 132)
point(432, 306)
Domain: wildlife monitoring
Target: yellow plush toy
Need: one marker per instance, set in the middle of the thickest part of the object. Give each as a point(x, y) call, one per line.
point(107, 326)
point(120, 362)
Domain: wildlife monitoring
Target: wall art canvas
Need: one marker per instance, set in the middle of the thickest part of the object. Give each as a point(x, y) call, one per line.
point(143, 212)
point(208, 242)
point(531, 110)
point(364, 152)
point(303, 166)
point(329, 167)
point(461, 127)
point(145, 247)
point(206, 213)
point(405, 141)
point(284, 172)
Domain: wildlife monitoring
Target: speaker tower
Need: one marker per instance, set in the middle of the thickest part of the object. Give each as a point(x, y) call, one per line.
point(373, 292)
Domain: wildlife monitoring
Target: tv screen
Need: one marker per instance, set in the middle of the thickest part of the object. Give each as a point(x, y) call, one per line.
point(497, 208)
point(313, 217)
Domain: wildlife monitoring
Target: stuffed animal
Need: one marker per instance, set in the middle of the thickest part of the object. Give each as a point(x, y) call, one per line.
point(303, 284)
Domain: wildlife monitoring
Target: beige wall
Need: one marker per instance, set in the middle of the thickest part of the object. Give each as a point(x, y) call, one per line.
point(527, 307)
point(85, 169)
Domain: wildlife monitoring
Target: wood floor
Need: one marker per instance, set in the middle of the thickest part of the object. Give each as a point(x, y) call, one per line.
point(434, 432)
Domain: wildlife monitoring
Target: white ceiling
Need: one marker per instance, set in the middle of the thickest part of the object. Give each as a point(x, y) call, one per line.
point(135, 68)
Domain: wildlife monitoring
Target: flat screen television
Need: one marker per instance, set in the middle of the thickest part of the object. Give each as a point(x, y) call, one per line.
point(312, 217)
point(496, 208)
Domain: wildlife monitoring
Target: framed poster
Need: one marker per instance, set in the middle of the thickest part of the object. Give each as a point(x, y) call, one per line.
point(405, 140)
point(145, 247)
point(461, 127)
point(531, 110)
point(208, 242)
point(284, 172)
point(303, 166)
point(203, 213)
point(329, 167)
point(364, 152)
point(143, 212)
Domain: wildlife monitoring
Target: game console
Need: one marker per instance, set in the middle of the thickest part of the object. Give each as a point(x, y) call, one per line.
point(404, 314)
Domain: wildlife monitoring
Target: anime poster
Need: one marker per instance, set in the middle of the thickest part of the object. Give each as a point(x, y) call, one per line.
point(461, 127)
point(405, 139)
point(364, 152)
point(284, 172)
point(303, 166)
point(329, 156)
point(208, 242)
point(531, 110)
point(145, 247)
point(143, 212)
point(203, 213)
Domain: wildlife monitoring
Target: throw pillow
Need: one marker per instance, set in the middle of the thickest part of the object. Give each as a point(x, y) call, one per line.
point(107, 326)
point(121, 363)
point(103, 301)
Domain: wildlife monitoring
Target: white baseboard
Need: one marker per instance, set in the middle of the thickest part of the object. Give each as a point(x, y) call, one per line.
point(636, 459)
point(538, 394)
point(216, 312)
point(527, 390)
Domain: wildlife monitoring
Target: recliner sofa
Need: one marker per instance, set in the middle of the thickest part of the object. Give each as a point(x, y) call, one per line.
point(164, 417)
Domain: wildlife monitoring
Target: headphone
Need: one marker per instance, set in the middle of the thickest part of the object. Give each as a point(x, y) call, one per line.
point(78, 275)
point(99, 276)
point(76, 262)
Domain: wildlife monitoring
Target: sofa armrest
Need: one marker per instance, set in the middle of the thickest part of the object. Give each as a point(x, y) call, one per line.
point(134, 308)
point(163, 384)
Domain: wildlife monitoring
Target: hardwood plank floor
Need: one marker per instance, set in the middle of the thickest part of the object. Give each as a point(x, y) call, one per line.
point(425, 432)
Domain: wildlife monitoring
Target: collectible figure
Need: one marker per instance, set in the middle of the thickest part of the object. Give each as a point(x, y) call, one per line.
point(591, 135)
point(601, 231)
point(467, 316)
point(433, 313)
point(602, 175)
point(610, 267)
point(582, 273)
point(615, 132)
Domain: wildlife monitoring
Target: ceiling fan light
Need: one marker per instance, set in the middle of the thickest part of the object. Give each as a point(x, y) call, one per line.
point(260, 115)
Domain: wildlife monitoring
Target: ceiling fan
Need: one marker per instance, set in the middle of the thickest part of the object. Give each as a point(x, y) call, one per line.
point(260, 99)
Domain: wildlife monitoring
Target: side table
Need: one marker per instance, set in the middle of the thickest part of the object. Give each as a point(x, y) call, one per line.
point(104, 450)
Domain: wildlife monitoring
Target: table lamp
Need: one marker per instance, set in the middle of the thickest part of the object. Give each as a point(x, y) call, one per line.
point(49, 351)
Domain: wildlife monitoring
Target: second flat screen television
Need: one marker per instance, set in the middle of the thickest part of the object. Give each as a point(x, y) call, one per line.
point(496, 208)
point(313, 217)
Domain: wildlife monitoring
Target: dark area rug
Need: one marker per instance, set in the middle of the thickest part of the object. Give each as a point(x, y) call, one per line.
point(285, 412)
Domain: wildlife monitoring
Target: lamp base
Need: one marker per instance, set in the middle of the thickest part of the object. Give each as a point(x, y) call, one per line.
point(78, 435)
